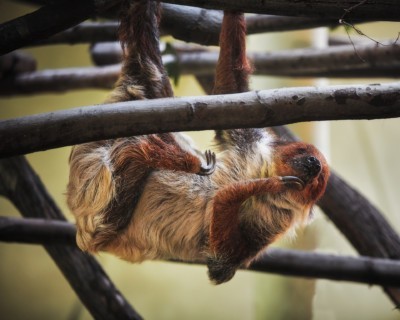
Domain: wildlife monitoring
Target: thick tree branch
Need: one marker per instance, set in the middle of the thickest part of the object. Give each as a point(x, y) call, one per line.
point(22, 186)
point(48, 20)
point(328, 266)
point(252, 109)
point(279, 261)
point(368, 60)
point(60, 80)
point(341, 61)
point(86, 32)
point(387, 10)
point(37, 231)
point(201, 26)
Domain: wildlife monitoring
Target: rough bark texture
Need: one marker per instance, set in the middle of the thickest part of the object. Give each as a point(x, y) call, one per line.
point(46, 21)
point(21, 185)
point(60, 80)
point(385, 10)
point(252, 109)
point(279, 261)
point(366, 60)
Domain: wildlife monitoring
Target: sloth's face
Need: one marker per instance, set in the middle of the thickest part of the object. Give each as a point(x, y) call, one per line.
point(305, 162)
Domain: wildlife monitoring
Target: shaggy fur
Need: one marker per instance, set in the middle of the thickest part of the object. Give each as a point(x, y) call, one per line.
point(139, 199)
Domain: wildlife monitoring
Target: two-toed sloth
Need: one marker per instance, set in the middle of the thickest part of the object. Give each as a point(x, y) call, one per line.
point(158, 197)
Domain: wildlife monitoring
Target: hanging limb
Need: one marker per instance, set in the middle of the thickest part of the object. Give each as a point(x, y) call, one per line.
point(245, 110)
point(278, 261)
point(20, 184)
point(359, 221)
point(48, 20)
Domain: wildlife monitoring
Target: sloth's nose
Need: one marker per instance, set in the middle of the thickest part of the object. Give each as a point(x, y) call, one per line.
point(313, 165)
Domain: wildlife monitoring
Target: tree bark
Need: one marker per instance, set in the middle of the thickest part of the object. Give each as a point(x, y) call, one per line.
point(279, 261)
point(201, 26)
point(60, 80)
point(367, 60)
point(37, 231)
point(46, 21)
point(245, 110)
point(21, 185)
point(204, 30)
point(385, 10)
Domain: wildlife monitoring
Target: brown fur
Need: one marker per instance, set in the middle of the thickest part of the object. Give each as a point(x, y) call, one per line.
point(262, 187)
point(107, 177)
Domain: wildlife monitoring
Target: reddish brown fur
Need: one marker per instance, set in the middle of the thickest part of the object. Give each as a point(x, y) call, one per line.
point(107, 177)
point(237, 232)
point(131, 198)
point(233, 68)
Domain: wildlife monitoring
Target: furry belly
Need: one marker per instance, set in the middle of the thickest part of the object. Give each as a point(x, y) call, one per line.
point(171, 220)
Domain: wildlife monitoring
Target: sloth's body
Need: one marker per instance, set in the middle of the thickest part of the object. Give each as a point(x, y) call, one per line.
point(158, 197)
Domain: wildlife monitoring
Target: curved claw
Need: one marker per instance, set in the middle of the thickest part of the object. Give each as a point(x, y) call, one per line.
point(210, 166)
point(293, 181)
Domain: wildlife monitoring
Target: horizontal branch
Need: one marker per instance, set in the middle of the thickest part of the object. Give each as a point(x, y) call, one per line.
point(37, 231)
point(387, 10)
point(279, 261)
point(328, 266)
point(341, 62)
point(251, 109)
point(201, 26)
point(368, 60)
point(60, 80)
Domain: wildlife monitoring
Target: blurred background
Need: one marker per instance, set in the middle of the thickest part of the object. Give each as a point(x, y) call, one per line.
point(365, 153)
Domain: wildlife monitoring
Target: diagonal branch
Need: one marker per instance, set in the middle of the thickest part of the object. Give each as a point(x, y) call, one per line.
point(201, 26)
point(48, 20)
point(251, 109)
point(279, 261)
point(21, 185)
